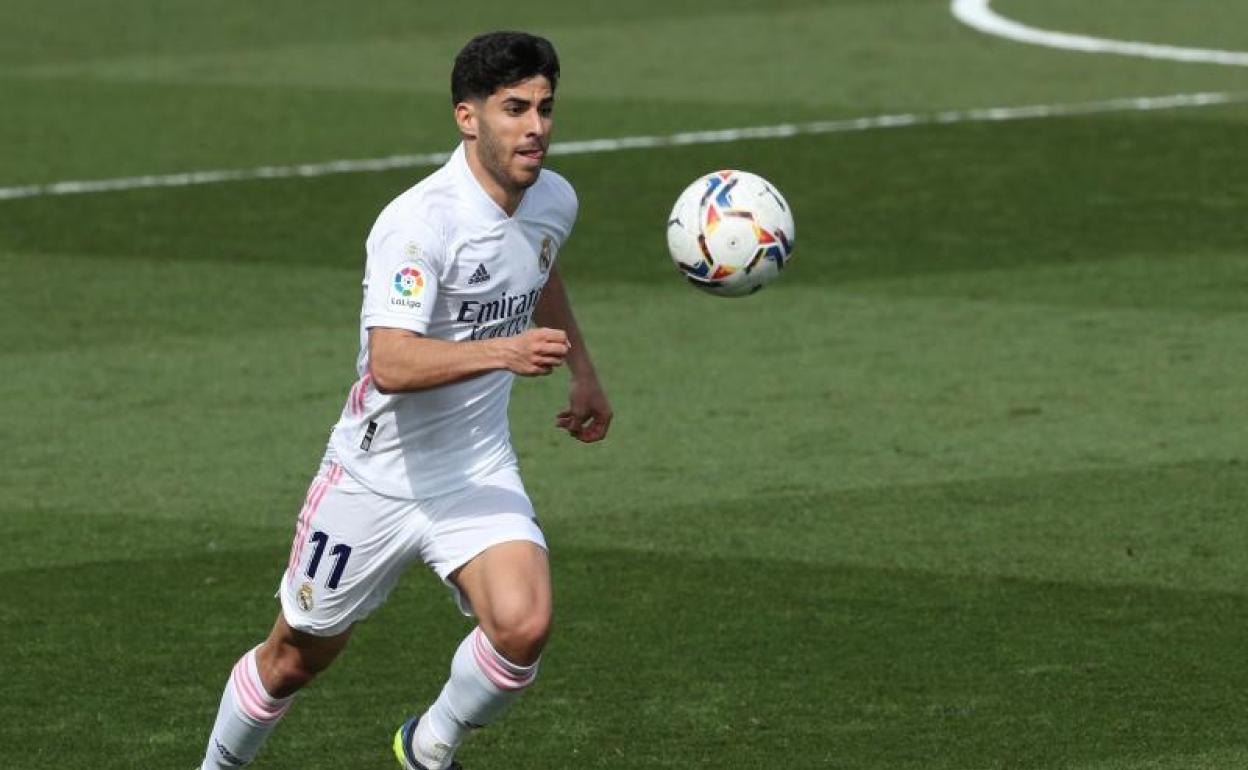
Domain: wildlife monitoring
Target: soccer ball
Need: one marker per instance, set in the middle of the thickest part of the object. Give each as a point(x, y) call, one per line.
point(730, 233)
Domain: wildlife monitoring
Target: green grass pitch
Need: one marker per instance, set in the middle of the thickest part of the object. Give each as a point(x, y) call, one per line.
point(964, 490)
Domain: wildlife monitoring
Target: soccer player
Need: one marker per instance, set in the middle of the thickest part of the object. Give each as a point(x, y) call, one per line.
point(420, 464)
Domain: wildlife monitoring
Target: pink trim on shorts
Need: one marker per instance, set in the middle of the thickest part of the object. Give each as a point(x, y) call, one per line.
point(315, 493)
point(368, 383)
point(359, 393)
point(504, 674)
point(261, 707)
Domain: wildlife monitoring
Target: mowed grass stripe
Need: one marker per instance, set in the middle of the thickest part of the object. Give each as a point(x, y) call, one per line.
point(632, 143)
point(54, 536)
point(1171, 526)
point(827, 666)
point(66, 33)
point(864, 390)
point(322, 99)
point(795, 389)
point(1176, 526)
point(1217, 759)
point(868, 206)
point(1208, 284)
point(153, 302)
point(804, 468)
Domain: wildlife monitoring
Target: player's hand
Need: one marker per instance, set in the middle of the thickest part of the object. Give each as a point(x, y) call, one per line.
point(536, 352)
point(589, 414)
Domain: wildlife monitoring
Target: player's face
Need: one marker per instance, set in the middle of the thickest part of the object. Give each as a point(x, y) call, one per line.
point(512, 132)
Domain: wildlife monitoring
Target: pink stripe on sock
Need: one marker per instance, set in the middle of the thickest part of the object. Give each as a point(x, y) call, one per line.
point(255, 704)
point(246, 699)
point(504, 674)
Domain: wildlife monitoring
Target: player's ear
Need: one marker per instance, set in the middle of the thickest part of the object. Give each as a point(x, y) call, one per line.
point(466, 119)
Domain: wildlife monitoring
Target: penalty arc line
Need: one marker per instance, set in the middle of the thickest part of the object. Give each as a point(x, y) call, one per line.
point(599, 146)
point(978, 15)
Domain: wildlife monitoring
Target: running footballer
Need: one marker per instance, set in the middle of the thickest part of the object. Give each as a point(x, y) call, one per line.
point(461, 293)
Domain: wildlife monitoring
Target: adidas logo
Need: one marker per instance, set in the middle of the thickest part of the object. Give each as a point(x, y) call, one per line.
point(480, 276)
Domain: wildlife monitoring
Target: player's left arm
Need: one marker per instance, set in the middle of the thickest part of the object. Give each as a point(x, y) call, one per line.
point(589, 414)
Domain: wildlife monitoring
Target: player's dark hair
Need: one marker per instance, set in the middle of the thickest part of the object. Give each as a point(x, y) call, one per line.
point(498, 59)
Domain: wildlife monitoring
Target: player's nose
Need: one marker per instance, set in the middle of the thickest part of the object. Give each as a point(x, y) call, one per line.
point(537, 124)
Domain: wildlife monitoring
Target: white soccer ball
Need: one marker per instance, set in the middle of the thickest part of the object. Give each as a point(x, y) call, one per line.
point(731, 233)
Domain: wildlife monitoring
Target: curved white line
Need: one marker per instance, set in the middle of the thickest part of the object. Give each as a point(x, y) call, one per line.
point(977, 15)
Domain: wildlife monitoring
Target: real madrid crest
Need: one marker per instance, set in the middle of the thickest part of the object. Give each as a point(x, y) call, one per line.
point(304, 598)
point(543, 257)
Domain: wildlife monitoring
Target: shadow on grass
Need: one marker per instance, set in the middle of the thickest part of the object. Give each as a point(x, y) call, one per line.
point(656, 662)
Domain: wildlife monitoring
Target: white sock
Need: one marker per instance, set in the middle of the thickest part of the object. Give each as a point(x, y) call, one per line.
point(246, 717)
point(482, 685)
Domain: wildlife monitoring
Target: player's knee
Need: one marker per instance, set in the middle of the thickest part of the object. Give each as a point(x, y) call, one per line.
point(289, 668)
point(520, 637)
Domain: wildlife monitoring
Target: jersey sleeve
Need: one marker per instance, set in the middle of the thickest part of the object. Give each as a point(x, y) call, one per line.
point(401, 282)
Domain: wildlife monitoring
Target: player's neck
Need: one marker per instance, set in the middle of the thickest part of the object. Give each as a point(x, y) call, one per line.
point(507, 198)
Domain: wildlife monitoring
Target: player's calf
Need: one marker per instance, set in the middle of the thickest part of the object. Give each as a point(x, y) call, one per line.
point(289, 659)
point(260, 690)
point(247, 714)
point(508, 587)
point(482, 685)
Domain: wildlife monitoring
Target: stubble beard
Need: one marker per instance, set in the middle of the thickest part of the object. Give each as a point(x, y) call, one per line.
point(494, 156)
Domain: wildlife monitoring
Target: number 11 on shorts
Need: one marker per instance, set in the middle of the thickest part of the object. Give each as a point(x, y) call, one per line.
point(339, 553)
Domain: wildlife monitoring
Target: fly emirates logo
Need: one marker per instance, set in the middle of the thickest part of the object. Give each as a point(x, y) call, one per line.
point(506, 316)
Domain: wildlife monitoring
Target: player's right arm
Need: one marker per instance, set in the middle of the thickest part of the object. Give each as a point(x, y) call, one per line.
point(402, 278)
point(401, 360)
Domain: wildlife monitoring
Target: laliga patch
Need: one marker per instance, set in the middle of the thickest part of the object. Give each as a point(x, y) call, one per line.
point(407, 286)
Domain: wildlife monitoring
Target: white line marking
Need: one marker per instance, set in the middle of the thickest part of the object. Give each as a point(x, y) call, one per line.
point(781, 131)
point(977, 14)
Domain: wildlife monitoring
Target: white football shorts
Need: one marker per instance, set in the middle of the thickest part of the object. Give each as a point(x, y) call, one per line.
point(352, 544)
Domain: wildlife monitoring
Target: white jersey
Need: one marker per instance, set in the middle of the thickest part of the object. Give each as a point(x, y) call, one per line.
point(445, 261)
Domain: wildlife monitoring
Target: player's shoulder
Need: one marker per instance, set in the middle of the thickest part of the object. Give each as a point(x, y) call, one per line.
point(558, 188)
point(555, 198)
point(424, 212)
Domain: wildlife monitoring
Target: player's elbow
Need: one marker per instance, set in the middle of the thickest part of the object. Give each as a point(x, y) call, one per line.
point(385, 365)
point(385, 376)
point(389, 356)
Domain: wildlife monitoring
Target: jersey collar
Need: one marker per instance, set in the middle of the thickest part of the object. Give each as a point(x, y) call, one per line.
point(480, 201)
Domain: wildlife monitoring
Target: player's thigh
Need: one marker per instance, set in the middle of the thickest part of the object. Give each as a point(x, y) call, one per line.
point(485, 544)
point(350, 547)
point(508, 586)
